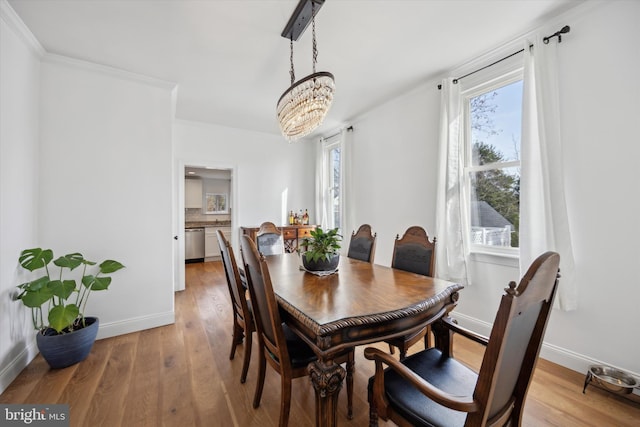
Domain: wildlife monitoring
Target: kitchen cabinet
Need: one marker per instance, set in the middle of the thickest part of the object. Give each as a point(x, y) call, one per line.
point(211, 247)
point(193, 193)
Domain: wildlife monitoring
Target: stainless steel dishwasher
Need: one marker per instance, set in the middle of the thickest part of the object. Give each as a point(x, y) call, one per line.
point(194, 244)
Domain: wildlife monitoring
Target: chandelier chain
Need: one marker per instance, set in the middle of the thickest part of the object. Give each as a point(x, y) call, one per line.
point(313, 27)
point(291, 72)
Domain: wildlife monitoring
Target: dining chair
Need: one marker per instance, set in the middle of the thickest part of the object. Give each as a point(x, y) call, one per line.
point(431, 388)
point(285, 351)
point(362, 245)
point(243, 324)
point(269, 239)
point(416, 254)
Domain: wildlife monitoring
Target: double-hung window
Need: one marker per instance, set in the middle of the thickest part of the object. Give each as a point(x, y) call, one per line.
point(493, 119)
point(332, 154)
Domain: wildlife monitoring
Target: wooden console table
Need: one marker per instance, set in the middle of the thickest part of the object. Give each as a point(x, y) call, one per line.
point(290, 234)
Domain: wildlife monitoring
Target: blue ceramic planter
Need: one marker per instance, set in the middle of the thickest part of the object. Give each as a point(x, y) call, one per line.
point(64, 350)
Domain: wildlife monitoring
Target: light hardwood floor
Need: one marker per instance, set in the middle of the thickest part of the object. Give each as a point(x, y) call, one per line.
point(181, 375)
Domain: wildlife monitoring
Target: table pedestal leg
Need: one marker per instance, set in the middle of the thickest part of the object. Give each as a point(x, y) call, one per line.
point(327, 382)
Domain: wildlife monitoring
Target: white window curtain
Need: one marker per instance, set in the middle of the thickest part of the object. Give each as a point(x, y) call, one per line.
point(451, 214)
point(348, 211)
point(544, 223)
point(323, 197)
point(322, 204)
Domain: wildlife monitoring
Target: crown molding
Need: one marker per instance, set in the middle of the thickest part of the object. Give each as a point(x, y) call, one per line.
point(13, 21)
point(53, 58)
point(17, 25)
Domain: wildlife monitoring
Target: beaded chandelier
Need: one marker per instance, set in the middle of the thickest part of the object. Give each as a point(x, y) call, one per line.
point(303, 106)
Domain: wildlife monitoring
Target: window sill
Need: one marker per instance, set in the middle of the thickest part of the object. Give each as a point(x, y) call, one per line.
point(509, 257)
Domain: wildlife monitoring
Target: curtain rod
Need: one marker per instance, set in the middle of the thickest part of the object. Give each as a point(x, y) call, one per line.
point(545, 40)
point(349, 129)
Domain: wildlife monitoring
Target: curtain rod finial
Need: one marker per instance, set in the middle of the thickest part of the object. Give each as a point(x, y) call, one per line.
point(558, 34)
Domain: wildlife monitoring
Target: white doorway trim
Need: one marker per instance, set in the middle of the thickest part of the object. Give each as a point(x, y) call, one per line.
point(179, 217)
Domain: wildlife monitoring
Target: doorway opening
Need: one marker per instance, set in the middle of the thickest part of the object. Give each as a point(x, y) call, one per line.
point(206, 198)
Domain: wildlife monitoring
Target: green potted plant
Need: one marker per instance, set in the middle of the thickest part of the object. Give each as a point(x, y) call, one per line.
point(66, 336)
point(321, 250)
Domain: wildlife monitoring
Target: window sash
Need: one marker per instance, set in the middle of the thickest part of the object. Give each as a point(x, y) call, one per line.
point(473, 89)
point(492, 166)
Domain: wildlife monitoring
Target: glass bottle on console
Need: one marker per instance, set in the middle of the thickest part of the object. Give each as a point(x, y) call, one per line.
point(305, 217)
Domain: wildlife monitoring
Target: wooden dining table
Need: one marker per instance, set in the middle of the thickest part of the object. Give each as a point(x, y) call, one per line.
point(359, 304)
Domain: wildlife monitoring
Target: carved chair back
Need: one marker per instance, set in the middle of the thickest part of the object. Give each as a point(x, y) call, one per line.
point(263, 299)
point(516, 338)
point(237, 291)
point(414, 252)
point(269, 239)
point(243, 323)
point(362, 245)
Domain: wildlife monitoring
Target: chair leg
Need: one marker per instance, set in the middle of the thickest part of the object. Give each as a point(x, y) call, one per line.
point(391, 349)
point(236, 339)
point(373, 411)
point(350, 369)
point(260, 384)
point(285, 400)
point(403, 352)
point(247, 357)
point(427, 338)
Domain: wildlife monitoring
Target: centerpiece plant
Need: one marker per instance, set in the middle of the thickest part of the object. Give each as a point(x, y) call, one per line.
point(321, 251)
point(63, 298)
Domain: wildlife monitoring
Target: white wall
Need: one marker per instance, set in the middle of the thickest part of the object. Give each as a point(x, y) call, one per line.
point(105, 187)
point(599, 93)
point(85, 166)
point(19, 96)
point(600, 96)
point(395, 149)
point(271, 175)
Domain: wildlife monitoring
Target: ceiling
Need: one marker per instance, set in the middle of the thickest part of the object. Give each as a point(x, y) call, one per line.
point(196, 172)
point(231, 64)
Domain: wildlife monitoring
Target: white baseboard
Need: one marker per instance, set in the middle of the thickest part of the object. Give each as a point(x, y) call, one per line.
point(135, 324)
point(553, 353)
point(106, 330)
point(15, 366)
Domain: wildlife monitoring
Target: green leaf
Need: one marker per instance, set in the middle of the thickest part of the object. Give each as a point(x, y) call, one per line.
point(69, 261)
point(35, 299)
point(110, 266)
point(96, 283)
point(35, 285)
point(35, 258)
point(62, 289)
point(61, 316)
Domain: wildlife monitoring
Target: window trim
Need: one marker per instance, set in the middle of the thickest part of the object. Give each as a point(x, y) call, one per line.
point(501, 75)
